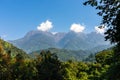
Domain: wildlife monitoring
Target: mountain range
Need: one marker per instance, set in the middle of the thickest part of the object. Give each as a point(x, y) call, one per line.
point(39, 40)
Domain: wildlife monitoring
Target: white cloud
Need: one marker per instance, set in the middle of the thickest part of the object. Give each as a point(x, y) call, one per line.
point(100, 29)
point(77, 27)
point(54, 33)
point(45, 26)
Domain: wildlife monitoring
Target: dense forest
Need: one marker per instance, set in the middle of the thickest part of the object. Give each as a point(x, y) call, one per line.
point(15, 64)
point(47, 66)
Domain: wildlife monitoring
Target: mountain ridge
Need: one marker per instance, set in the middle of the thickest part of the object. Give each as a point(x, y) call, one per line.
point(38, 40)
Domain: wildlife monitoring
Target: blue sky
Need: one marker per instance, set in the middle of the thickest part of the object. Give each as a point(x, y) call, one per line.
point(17, 17)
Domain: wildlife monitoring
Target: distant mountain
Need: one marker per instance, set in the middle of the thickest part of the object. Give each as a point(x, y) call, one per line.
point(38, 40)
point(59, 36)
point(7, 47)
point(74, 41)
point(35, 40)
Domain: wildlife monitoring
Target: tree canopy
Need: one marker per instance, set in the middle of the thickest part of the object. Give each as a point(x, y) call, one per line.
point(110, 12)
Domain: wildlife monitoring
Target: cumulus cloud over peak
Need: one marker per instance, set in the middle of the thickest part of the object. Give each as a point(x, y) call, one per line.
point(45, 26)
point(100, 29)
point(77, 28)
point(54, 33)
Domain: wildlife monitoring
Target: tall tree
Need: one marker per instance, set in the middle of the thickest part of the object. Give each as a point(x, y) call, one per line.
point(49, 67)
point(110, 12)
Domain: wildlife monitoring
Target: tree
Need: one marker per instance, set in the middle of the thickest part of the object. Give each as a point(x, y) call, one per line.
point(110, 12)
point(105, 57)
point(69, 70)
point(49, 66)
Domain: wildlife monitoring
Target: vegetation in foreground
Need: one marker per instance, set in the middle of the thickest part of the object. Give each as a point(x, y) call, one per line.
point(47, 66)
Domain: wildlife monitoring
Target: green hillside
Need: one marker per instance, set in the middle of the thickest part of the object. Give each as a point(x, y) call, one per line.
point(9, 48)
point(47, 66)
point(64, 54)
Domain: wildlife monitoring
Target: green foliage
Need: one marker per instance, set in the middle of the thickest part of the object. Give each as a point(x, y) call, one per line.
point(114, 72)
point(65, 55)
point(9, 48)
point(69, 70)
point(90, 58)
point(105, 57)
point(110, 12)
point(49, 67)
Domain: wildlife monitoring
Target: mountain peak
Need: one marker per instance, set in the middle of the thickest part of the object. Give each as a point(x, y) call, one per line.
point(37, 40)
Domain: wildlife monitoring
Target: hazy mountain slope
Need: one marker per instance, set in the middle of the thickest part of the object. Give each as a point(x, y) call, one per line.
point(38, 40)
point(74, 41)
point(35, 40)
point(59, 36)
point(96, 39)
